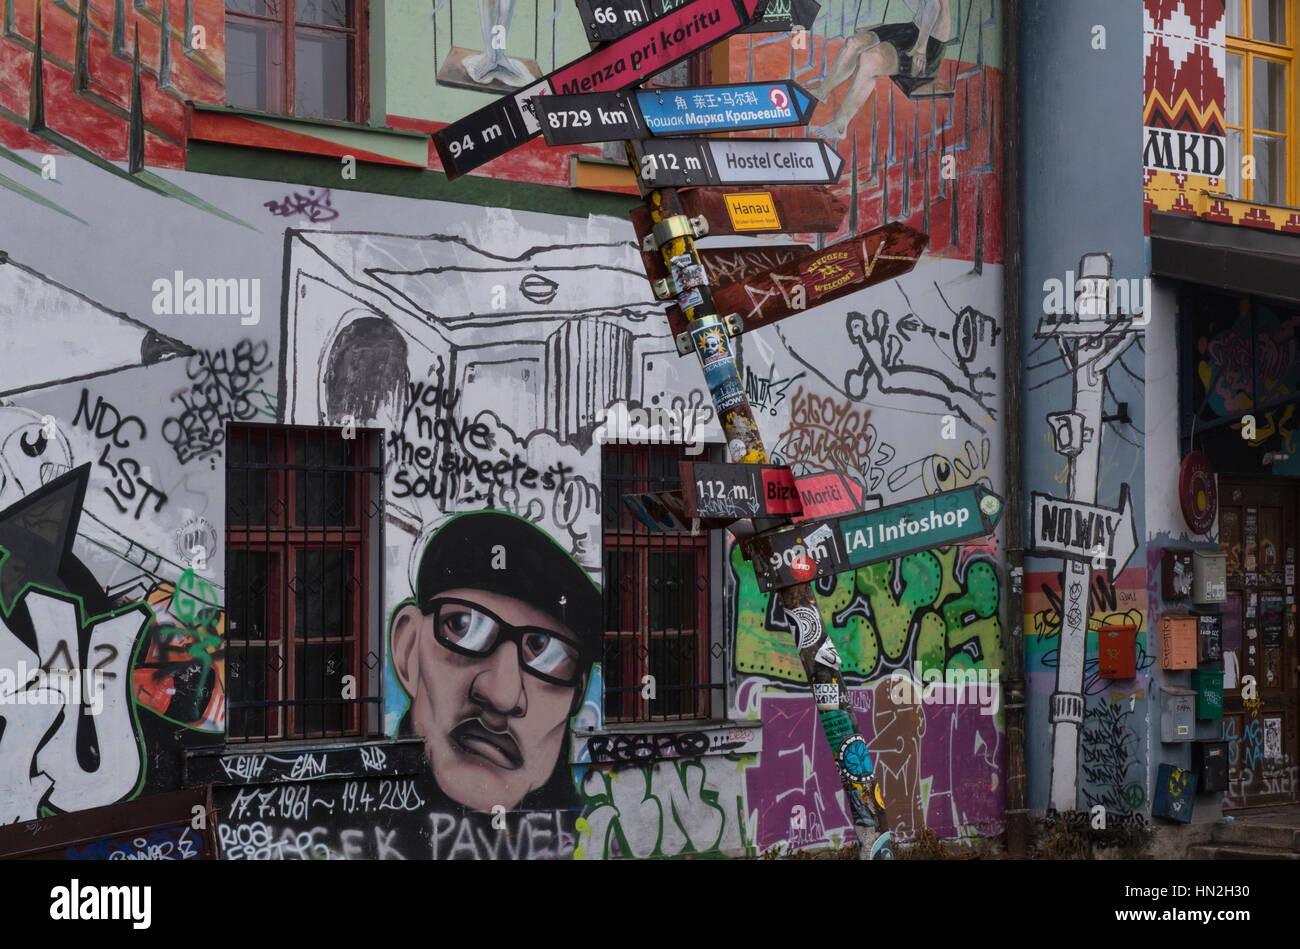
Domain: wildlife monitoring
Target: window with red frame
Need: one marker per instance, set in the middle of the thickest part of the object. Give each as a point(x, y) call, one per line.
point(656, 591)
point(301, 593)
point(306, 58)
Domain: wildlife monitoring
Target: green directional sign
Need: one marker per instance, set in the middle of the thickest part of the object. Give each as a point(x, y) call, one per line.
point(936, 521)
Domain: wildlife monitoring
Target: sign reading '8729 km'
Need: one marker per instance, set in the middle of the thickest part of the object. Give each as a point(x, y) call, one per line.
point(511, 120)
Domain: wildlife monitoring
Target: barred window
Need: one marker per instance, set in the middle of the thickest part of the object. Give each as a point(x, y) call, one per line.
point(302, 645)
point(657, 612)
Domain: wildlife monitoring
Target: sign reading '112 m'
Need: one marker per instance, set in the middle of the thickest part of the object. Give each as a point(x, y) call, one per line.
point(511, 121)
point(736, 161)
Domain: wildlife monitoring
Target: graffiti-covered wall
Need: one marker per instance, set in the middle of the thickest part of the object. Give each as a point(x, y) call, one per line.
point(479, 349)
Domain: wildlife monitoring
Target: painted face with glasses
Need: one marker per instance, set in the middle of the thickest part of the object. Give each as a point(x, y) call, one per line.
point(492, 681)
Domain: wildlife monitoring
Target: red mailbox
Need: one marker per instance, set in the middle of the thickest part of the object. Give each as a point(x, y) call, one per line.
point(1117, 652)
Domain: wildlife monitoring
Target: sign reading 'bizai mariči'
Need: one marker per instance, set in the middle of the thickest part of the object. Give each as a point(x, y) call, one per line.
point(614, 116)
point(736, 161)
point(936, 521)
point(511, 121)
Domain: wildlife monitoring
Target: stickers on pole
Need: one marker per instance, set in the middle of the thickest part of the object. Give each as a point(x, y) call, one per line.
point(738, 491)
point(720, 373)
point(615, 116)
point(663, 163)
point(606, 20)
point(511, 120)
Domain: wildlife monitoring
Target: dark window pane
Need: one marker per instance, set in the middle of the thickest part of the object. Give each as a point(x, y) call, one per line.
point(1232, 22)
point(321, 75)
point(672, 661)
point(323, 590)
point(1270, 169)
point(323, 12)
point(619, 668)
point(248, 594)
point(251, 676)
point(318, 674)
point(322, 498)
point(672, 590)
point(618, 477)
point(254, 66)
point(245, 488)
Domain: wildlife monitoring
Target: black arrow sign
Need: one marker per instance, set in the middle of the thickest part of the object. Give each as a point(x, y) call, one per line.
point(732, 161)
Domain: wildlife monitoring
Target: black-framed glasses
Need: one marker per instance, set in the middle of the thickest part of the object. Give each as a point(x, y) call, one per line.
point(469, 629)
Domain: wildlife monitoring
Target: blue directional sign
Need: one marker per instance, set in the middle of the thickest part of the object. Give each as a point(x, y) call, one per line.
point(633, 114)
point(730, 108)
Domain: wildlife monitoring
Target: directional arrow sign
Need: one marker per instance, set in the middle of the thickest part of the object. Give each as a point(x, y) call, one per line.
point(816, 548)
point(738, 491)
point(847, 267)
point(746, 210)
point(937, 521)
point(725, 265)
point(510, 121)
point(614, 116)
point(1071, 529)
point(734, 161)
point(606, 20)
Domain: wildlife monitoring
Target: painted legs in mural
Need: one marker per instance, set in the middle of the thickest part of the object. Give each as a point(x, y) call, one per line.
point(907, 50)
point(493, 63)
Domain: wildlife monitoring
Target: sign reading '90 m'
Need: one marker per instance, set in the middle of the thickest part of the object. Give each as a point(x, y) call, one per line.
point(511, 120)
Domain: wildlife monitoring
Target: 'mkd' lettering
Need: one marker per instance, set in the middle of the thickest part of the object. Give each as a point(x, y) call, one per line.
point(1196, 154)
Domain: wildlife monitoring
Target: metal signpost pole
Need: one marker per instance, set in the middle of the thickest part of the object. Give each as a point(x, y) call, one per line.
point(674, 234)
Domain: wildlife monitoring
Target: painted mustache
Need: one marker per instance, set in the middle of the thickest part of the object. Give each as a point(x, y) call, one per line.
point(474, 738)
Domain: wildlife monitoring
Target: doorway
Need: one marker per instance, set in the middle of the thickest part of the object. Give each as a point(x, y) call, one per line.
point(1258, 532)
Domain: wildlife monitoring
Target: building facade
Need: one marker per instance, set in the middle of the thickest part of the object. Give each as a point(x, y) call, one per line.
point(295, 433)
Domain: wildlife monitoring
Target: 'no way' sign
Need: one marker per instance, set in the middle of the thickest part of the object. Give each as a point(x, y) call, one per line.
point(511, 121)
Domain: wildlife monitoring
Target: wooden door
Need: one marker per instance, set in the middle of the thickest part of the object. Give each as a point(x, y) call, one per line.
point(1257, 524)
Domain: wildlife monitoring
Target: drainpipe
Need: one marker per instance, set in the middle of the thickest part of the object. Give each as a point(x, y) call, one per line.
point(1015, 810)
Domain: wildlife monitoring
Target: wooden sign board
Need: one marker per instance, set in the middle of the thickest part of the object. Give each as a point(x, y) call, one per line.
point(673, 163)
point(726, 265)
point(847, 267)
point(154, 827)
point(738, 491)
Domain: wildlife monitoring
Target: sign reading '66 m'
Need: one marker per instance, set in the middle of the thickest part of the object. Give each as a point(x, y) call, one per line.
point(510, 121)
point(737, 161)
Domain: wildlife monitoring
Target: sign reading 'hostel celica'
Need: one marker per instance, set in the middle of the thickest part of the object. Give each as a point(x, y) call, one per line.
point(671, 164)
point(510, 121)
point(613, 116)
point(936, 521)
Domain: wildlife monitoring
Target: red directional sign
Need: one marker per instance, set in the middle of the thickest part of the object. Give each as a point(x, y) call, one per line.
point(847, 267)
point(511, 120)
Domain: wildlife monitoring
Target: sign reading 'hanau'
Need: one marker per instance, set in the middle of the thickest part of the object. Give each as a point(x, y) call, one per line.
point(669, 164)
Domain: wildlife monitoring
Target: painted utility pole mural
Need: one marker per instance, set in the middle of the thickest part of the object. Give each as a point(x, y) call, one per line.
point(1087, 536)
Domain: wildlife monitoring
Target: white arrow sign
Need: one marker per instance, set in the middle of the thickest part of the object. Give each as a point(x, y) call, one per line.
point(667, 163)
point(1078, 531)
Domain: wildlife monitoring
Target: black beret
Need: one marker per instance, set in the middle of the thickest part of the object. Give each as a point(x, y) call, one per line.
point(536, 570)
